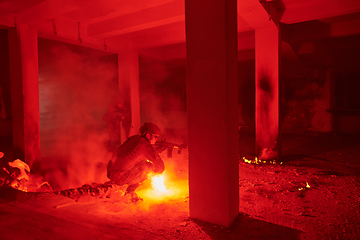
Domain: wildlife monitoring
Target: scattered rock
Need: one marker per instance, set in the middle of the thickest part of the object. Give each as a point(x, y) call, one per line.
point(183, 224)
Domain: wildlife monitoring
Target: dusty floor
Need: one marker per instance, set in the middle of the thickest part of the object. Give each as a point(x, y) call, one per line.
point(274, 202)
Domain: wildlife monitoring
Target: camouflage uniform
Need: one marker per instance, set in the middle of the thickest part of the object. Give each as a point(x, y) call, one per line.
point(134, 160)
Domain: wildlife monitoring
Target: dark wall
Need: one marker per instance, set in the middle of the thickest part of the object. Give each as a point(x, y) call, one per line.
point(320, 91)
point(246, 84)
point(319, 87)
point(5, 99)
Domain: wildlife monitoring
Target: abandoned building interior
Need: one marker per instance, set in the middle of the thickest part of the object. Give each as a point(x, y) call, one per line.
point(239, 83)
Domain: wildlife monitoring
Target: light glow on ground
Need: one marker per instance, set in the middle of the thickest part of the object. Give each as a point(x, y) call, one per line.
point(163, 187)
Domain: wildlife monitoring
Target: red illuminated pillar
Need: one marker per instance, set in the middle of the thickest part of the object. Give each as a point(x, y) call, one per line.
point(24, 77)
point(267, 92)
point(128, 62)
point(211, 46)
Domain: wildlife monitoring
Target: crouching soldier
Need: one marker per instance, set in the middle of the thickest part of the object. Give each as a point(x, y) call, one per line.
point(135, 159)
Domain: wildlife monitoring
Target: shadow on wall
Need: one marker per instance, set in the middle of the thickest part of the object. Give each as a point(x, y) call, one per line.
point(247, 228)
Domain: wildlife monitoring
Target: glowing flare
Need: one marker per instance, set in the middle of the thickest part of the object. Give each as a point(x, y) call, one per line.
point(157, 183)
point(304, 188)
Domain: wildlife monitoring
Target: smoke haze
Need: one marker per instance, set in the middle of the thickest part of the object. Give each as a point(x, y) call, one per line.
point(163, 97)
point(76, 87)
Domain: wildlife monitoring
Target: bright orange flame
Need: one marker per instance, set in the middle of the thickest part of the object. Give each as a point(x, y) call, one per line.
point(258, 161)
point(164, 187)
point(157, 183)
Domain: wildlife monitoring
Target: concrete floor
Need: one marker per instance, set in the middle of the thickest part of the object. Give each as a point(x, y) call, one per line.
point(274, 201)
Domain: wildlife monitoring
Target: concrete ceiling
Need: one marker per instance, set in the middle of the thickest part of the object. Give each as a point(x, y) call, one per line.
point(157, 27)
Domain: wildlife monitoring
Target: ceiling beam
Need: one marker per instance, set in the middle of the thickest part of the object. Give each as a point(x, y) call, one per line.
point(18, 5)
point(66, 30)
point(320, 9)
point(307, 31)
point(89, 44)
point(164, 35)
point(7, 18)
point(347, 28)
point(47, 10)
point(147, 18)
point(260, 14)
point(95, 11)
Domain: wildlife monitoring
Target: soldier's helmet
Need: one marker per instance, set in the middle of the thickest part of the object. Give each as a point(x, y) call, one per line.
point(149, 128)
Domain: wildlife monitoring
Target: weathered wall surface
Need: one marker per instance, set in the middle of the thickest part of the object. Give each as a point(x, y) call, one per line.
point(76, 87)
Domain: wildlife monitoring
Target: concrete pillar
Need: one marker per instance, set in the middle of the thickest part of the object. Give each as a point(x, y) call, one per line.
point(267, 92)
point(211, 47)
point(128, 64)
point(24, 77)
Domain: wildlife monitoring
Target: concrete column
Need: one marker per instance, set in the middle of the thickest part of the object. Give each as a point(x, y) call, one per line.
point(128, 64)
point(211, 46)
point(24, 77)
point(267, 92)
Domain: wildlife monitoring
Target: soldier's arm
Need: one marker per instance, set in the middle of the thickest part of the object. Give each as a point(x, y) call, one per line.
point(155, 159)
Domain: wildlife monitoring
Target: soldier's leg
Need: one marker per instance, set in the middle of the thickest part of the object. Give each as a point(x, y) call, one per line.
point(138, 175)
point(131, 188)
